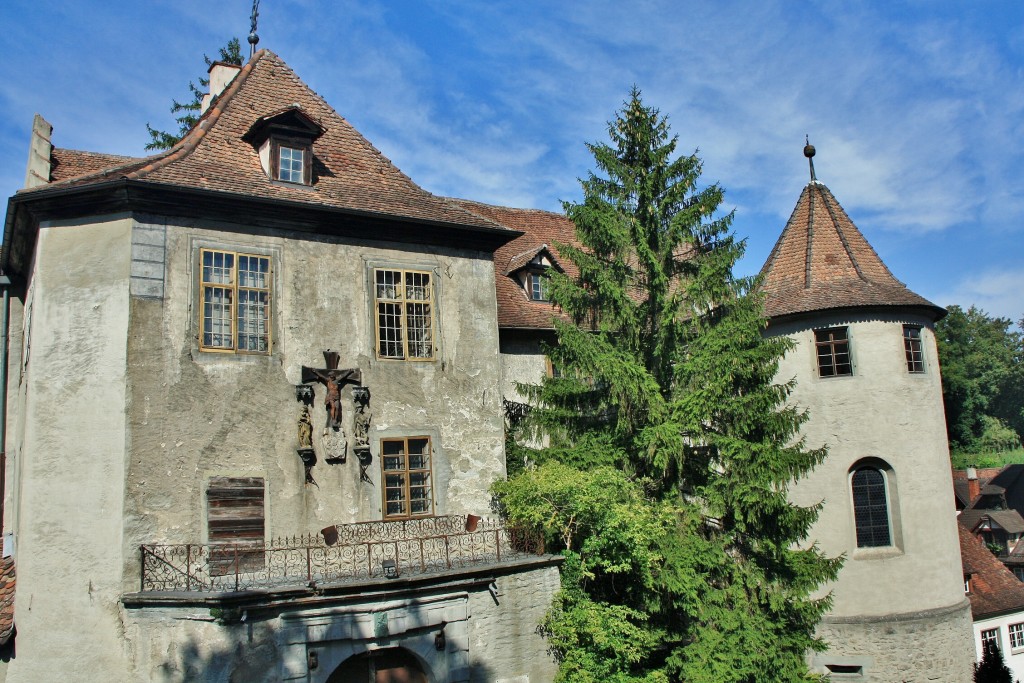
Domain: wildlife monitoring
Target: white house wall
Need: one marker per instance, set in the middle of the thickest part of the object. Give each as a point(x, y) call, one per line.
point(70, 470)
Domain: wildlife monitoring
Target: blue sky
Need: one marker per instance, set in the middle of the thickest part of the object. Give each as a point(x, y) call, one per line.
point(916, 108)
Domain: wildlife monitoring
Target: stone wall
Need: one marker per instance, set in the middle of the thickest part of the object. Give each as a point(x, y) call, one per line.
point(485, 639)
point(924, 647)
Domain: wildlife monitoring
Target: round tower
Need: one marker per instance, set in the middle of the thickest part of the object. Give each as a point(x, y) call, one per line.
point(867, 371)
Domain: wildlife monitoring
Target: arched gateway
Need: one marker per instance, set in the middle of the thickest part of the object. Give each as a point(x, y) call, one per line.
point(391, 665)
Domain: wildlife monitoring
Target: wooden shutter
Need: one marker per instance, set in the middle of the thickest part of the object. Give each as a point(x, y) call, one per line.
point(235, 523)
point(307, 164)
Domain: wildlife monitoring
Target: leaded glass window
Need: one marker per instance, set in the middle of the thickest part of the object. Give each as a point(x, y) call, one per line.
point(870, 508)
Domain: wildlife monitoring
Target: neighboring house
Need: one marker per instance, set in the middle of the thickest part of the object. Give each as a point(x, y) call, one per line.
point(994, 513)
point(997, 602)
point(254, 412)
point(866, 369)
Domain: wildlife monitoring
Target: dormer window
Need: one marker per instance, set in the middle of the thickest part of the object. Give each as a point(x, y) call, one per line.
point(292, 161)
point(530, 270)
point(284, 143)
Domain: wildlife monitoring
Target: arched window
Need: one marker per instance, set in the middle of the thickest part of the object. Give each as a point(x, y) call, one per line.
point(871, 508)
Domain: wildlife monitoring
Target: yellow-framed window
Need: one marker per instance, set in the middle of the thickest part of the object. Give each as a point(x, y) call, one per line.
point(234, 295)
point(404, 305)
point(408, 478)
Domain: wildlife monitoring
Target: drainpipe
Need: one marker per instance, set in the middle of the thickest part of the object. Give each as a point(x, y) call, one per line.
point(5, 285)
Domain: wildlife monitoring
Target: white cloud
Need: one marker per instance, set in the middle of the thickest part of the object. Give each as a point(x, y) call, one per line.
point(998, 292)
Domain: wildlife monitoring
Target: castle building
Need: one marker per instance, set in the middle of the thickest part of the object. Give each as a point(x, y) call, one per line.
point(253, 412)
point(254, 399)
point(866, 368)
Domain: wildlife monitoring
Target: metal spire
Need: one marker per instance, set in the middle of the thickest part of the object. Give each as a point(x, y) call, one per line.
point(253, 38)
point(809, 153)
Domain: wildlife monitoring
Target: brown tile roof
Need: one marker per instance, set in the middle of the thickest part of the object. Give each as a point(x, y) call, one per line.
point(540, 229)
point(822, 261)
point(6, 599)
point(71, 163)
point(994, 588)
point(1010, 520)
point(349, 173)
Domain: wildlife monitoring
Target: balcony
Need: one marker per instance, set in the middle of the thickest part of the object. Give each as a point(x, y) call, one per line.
point(339, 555)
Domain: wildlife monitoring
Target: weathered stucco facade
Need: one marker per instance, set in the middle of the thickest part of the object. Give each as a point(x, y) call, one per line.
point(236, 449)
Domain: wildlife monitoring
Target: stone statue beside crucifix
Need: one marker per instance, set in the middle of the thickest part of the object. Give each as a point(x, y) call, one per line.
point(333, 379)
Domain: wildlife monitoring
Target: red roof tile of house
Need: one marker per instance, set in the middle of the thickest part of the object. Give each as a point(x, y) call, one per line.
point(540, 229)
point(822, 261)
point(71, 163)
point(994, 588)
point(348, 172)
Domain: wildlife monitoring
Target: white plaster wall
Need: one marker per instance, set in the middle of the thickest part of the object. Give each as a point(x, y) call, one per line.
point(197, 414)
point(69, 493)
point(885, 412)
point(1013, 658)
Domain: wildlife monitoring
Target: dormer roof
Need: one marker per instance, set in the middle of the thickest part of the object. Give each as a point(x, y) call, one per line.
point(356, 186)
point(292, 120)
point(541, 232)
point(822, 261)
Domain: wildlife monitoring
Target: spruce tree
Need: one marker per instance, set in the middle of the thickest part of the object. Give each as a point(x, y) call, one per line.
point(667, 375)
point(992, 669)
point(188, 112)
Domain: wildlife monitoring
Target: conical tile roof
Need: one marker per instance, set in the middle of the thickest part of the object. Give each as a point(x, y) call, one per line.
point(822, 262)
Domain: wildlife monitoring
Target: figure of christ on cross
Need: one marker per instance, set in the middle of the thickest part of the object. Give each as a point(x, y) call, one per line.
point(333, 379)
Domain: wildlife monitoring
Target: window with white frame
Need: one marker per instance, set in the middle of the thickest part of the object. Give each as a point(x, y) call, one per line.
point(989, 637)
point(404, 306)
point(870, 508)
point(538, 286)
point(292, 161)
point(1016, 636)
point(234, 295)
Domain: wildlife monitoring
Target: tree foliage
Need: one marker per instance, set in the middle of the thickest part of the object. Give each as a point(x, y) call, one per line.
point(187, 113)
point(992, 669)
point(982, 378)
point(670, 442)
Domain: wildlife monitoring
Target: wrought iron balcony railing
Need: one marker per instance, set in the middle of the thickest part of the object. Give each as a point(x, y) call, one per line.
point(338, 554)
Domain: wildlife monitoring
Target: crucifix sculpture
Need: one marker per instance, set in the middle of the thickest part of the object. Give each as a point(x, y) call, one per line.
point(333, 379)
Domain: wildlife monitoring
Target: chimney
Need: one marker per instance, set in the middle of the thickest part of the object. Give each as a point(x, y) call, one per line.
point(221, 74)
point(973, 486)
point(38, 171)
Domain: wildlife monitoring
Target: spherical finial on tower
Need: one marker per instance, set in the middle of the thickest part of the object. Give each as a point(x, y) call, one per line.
point(809, 153)
point(808, 148)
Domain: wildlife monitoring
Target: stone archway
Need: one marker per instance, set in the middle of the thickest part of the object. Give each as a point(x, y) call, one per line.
point(390, 665)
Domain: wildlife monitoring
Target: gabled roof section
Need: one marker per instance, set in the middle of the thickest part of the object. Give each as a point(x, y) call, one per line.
point(994, 588)
point(541, 230)
point(1008, 520)
point(822, 261)
point(349, 173)
point(520, 261)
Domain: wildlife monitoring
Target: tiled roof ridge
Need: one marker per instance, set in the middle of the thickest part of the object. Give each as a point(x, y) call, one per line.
point(773, 255)
point(290, 74)
point(191, 140)
point(125, 157)
point(871, 248)
point(504, 208)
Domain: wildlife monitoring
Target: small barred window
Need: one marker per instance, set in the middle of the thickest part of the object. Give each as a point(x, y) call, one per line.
point(870, 508)
point(913, 349)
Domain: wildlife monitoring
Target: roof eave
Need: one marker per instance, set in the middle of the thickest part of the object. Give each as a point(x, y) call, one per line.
point(24, 211)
